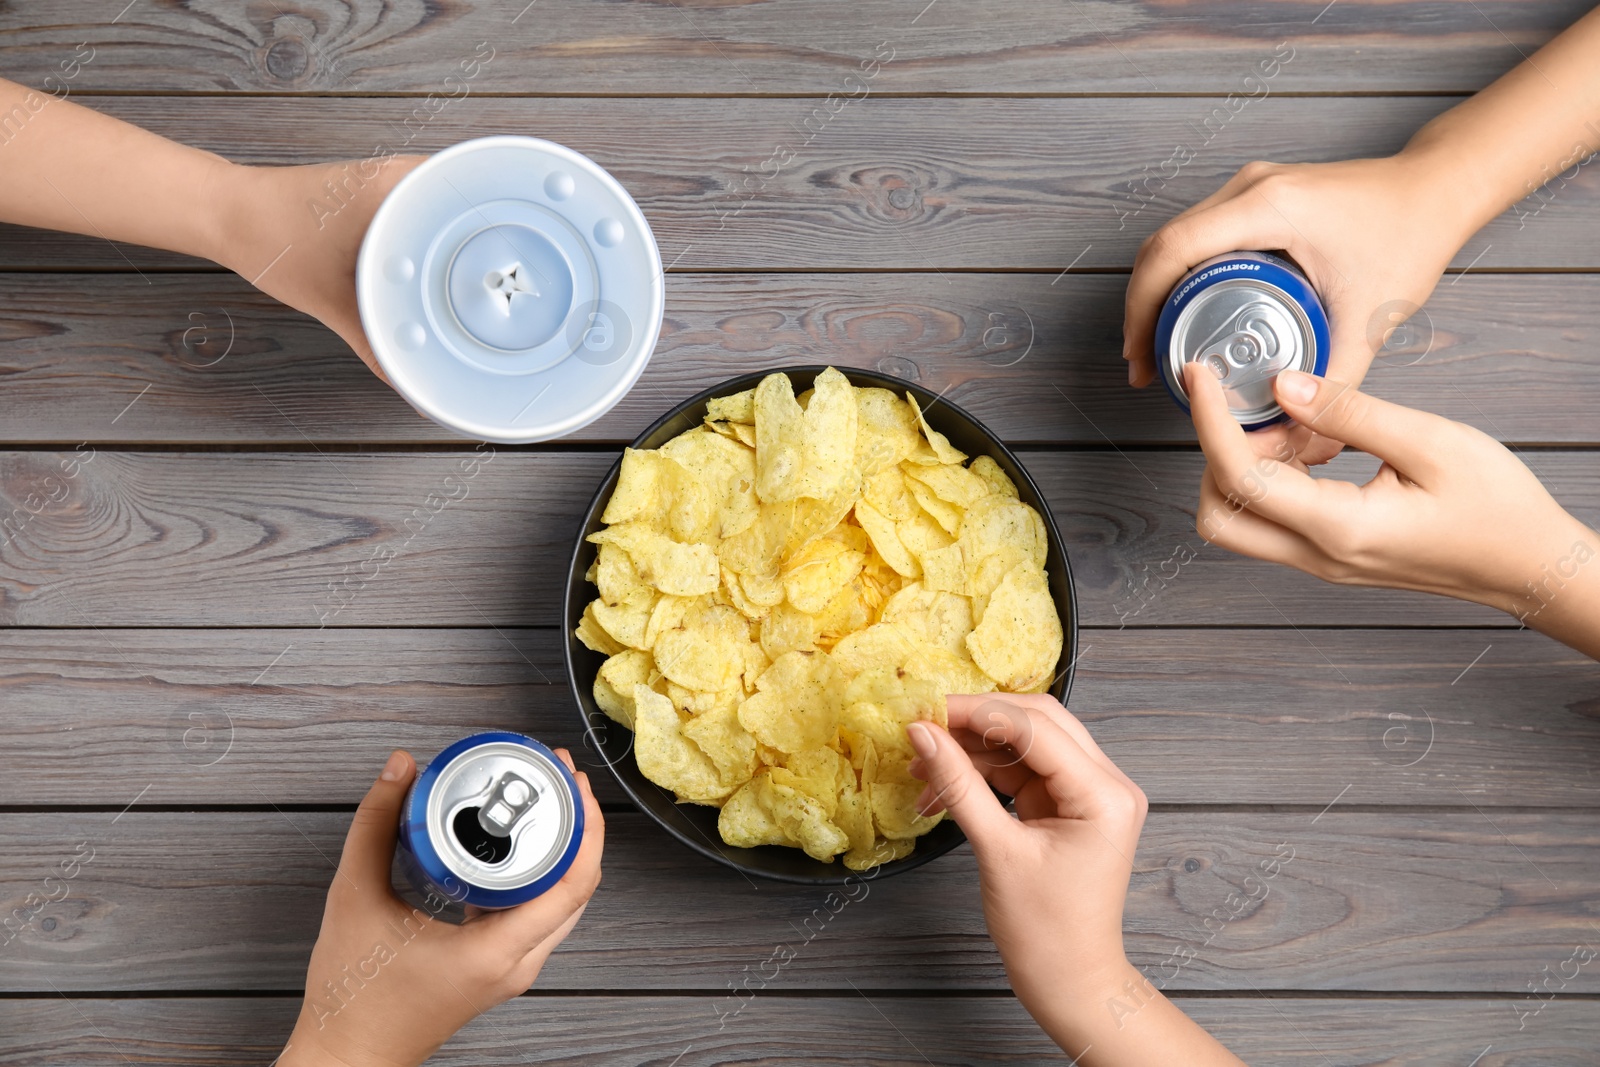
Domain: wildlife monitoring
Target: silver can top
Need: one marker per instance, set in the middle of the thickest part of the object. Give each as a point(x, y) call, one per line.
point(500, 815)
point(1246, 331)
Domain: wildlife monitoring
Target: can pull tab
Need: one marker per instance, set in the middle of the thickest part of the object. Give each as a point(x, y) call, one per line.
point(508, 801)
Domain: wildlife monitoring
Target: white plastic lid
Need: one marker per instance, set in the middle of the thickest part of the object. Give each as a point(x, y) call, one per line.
point(511, 289)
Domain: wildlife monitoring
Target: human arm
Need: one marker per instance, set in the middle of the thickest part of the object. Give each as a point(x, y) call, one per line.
point(1451, 511)
point(1374, 235)
point(389, 983)
point(292, 232)
point(1054, 879)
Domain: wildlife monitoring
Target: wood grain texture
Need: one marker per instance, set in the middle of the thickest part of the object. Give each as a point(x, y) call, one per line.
point(347, 539)
point(933, 184)
point(341, 46)
point(1194, 716)
point(1388, 901)
point(1510, 354)
point(649, 1031)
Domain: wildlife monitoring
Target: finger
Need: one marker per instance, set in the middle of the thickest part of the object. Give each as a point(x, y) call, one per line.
point(1311, 448)
point(1245, 221)
point(566, 757)
point(954, 785)
point(527, 926)
point(1272, 486)
point(1045, 704)
point(369, 846)
point(1080, 785)
point(1240, 530)
point(1411, 441)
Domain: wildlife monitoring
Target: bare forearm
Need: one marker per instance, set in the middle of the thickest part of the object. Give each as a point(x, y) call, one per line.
point(1131, 1024)
point(1537, 121)
point(67, 167)
point(1563, 599)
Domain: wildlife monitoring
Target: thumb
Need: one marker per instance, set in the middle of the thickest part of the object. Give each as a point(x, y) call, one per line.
point(955, 785)
point(1405, 438)
point(369, 846)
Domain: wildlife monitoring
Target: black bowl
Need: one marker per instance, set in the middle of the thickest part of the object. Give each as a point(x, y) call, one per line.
point(696, 825)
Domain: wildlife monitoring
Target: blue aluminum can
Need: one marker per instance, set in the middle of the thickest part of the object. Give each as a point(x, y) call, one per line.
point(1246, 315)
point(494, 821)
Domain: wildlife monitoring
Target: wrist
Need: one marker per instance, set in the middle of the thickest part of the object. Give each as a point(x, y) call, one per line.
point(234, 209)
point(1457, 196)
point(1560, 594)
point(1072, 1010)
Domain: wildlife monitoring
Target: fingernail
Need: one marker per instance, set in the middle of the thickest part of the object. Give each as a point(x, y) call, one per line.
point(1297, 387)
point(922, 740)
point(394, 768)
point(1133, 373)
point(925, 800)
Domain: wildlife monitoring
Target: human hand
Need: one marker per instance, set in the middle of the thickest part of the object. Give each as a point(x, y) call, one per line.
point(295, 232)
point(1372, 235)
point(1451, 511)
point(389, 983)
point(1054, 878)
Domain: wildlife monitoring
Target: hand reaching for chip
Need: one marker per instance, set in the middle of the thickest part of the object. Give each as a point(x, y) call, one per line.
point(1055, 878)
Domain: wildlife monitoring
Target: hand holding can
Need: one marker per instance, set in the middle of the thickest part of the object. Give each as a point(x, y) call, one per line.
point(389, 982)
point(1450, 512)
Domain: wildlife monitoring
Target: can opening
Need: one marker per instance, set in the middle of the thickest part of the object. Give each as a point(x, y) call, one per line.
point(476, 840)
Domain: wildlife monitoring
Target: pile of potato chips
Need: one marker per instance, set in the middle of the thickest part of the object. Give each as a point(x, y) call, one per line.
point(785, 588)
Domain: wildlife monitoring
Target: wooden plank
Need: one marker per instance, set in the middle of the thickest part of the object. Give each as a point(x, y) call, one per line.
point(785, 1032)
point(1387, 901)
point(1451, 718)
point(1509, 354)
point(935, 185)
point(594, 47)
point(393, 539)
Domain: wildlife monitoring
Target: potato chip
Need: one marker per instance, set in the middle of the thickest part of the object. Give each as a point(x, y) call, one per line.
point(745, 822)
point(814, 576)
point(847, 612)
point(951, 483)
point(787, 629)
point(783, 588)
point(780, 440)
point(666, 756)
point(886, 430)
point(949, 672)
point(707, 650)
point(627, 620)
point(594, 636)
point(804, 818)
point(939, 450)
point(762, 590)
point(931, 616)
point(886, 490)
point(797, 702)
point(1019, 640)
point(639, 492)
point(732, 592)
point(880, 703)
point(740, 407)
point(668, 565)
point(986, 468)
point(947, 515)
point(853, 815)
point(613, 684)
point(921, 535)
point(699, 701)
point(721, 473)
point(718, 734)
point(830, 439)
point(894, 804)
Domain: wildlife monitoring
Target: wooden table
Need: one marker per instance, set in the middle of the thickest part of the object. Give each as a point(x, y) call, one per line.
point(964, 217)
